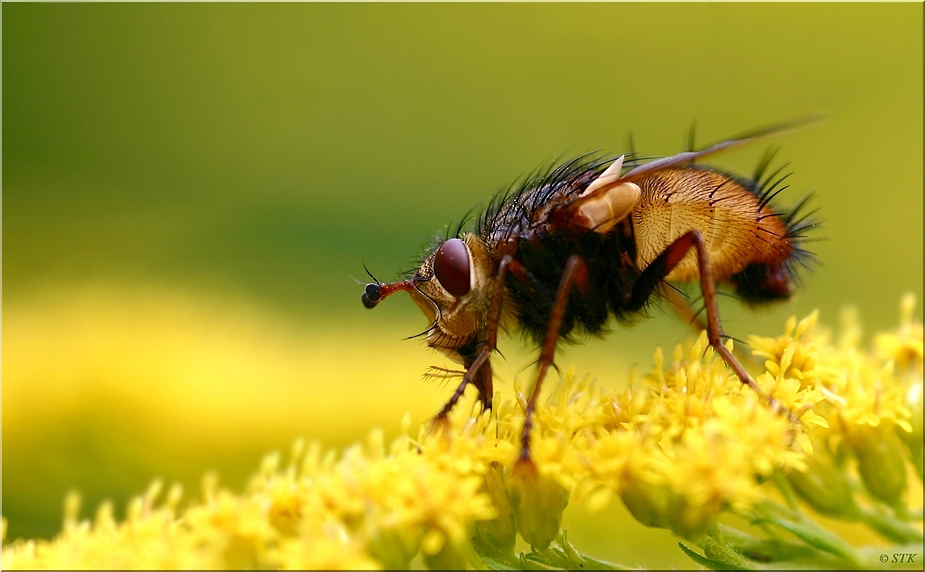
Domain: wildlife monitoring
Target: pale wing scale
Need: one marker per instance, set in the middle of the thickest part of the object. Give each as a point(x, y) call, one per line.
point(611, 202)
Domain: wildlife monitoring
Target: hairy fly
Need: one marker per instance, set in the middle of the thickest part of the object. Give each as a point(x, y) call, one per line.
point(595, 238)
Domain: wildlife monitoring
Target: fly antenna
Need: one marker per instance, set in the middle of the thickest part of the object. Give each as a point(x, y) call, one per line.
point(370, 274)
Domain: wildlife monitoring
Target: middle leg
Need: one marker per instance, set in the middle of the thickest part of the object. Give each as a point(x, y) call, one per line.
point(575, 275)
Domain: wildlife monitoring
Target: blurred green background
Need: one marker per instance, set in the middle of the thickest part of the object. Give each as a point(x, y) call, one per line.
point(190, 189)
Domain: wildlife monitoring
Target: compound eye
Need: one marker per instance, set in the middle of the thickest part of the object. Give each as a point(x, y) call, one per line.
point(452, 267)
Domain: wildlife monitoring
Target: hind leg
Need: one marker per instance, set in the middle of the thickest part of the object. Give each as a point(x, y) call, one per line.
point(663, 264)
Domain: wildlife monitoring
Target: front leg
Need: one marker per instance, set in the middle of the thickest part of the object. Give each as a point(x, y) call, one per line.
point(478, 359)
point(478, 373)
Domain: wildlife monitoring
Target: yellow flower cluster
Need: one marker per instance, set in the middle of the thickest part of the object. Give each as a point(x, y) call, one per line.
point(873, 400)
point(679, 447)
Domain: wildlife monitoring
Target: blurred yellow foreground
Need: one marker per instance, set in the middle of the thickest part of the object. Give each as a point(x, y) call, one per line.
point(106, 389)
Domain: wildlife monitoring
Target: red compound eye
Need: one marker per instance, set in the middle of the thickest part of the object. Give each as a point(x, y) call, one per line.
point(452, 267)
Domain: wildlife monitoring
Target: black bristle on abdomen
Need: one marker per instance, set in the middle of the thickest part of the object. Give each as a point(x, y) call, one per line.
point(762, 283)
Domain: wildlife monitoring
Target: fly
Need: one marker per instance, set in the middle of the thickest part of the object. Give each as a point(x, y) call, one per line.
point(593, 238)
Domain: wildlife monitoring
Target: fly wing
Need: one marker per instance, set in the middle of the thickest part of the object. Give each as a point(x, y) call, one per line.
point(617, 192)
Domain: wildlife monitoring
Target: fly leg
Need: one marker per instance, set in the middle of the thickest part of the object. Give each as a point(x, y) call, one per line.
point(576, 274)
point(478, 371)
point(480, 366)
point(663, 264)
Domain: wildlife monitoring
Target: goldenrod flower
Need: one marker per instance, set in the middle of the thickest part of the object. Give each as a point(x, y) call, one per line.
point(680, 447)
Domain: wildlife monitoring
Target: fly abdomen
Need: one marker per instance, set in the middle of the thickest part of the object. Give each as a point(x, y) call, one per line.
point(739, 229)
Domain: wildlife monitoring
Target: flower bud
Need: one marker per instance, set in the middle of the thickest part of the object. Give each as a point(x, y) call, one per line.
point(689, 520)
point(500, 532)
point(824, 487)
point(647, 502)
point(394, 548)
point(880, 461)
point(539, 501)
point(442, 554)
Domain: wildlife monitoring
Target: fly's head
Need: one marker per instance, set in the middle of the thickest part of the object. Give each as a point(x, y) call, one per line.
point(453, 287)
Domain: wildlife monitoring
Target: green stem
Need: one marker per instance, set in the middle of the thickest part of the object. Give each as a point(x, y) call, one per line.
point(786, 490)
point(891, 527)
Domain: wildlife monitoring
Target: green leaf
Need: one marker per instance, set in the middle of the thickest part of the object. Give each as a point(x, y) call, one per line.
point(707, 562)
point(495, 563)
point(816, 537)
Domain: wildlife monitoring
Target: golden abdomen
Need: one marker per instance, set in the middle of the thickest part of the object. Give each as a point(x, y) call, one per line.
point(737, 229)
